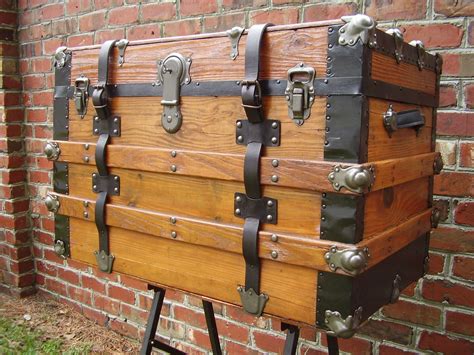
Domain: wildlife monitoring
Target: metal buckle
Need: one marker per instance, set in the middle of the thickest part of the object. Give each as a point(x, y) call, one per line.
point(258, 91)
point(99, 98)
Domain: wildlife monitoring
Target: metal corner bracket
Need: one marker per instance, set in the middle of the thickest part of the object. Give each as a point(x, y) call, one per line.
point(354, 178)
point(104, 261)
point(357, 27)
point(234, 35)
point(252, 302)
point(342, 328)
point(52, 151)
point(52, 203)
point(351, 261)
point(60, 57)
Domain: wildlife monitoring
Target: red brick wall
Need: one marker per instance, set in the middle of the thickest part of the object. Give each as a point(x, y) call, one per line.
point(435, 314)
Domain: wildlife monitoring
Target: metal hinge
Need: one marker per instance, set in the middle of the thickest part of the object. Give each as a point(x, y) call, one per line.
point(81, 95)
point(420, 48)
point(340, 327)
point(354, 178)
point(351, 261)
point(121, 45)
point(300, 92)
point(235, 33)
point(398, 38)
point(357, 27)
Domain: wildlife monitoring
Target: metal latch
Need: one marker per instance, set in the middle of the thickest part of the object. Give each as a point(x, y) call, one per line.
point(354, 178)
point(173, 72)
point(300, 92)
point(81, 95)
point(398, 38)
point(121, 45)
point(234, 34)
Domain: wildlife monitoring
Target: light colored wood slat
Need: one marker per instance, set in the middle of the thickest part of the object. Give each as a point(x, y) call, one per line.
point(200, 270)
point(404, 142)
point(385, 68)
point(299, 211)
point(281, 51)
point(388, 207)
point(208, 125)
point(310, 175)
point(291, 249)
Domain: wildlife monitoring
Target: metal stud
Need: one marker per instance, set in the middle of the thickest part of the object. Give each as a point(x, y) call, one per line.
point(116, 189)
point(86, 146)
point(86, 159)
point(274, 238)
point(240, 139)
point(116, 178)
point(173, 220)
point(85, 204)
point(239, 124)
point(274, 178)
point(274, 254)
point(269, 218)
point(173, 168)
point(96, 131)
point(237, 211)
point(238, 199)
point(174, 234)
point(275, 163)
point(86, 214)
point(94, 187)
point(115, 131)
point(173, 153)
point(275, 125)
point(270, 203)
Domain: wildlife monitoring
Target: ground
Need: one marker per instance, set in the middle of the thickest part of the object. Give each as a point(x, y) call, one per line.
point(40, 324)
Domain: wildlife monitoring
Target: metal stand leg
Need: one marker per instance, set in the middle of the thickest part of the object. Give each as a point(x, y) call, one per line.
point(333, 347)
point(212, 327)
point(291, 338)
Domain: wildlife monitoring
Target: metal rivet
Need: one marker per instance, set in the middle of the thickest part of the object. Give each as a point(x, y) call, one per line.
point(274, 178)
point(86, 214)
point(96, 130)
point(328, 117)
point(115, 119)
point(173, 220)
point(238, 199)
point(274, 140)
point(86, 159)
point(116, 189)
point(270, 203)
point(328, 105)
point(326, 81)
point(239, 124)
point(174, 234)
point(94, 175)
point(115, 131)
point(278, 81)
point(275, 163)
point(269, 217)
point(326, 142)
point(240, 139)
point(274, 238)
point(96, 118)
point(237, 211)
point(94, 187)
point(86, 203)
point(323, 218)
point(173, 168)
point(274, 254)
point(86, 146)
point(275, 125)
point(116, 178)
point(324, 206)
point(173, 153)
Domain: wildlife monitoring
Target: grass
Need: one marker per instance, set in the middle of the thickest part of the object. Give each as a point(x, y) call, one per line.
point(18, 338)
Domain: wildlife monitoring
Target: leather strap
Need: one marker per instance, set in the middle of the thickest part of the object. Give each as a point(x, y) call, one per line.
point(251, 90)
point(252, 170)
point(100, 95)
point(100, 152)
point(250, 251)
point(100, 221)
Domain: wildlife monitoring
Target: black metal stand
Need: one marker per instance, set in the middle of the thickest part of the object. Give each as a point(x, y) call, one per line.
point(333, 347)
point(292, 336)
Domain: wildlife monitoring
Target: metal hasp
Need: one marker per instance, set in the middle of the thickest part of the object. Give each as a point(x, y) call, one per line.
point(343, 328)
point(398, 38)
point(173, 72)
point(396, 289)
point(357, 27)
point(354, 178)
point(52, 203)
point(60, 57)
point(300, 92)
point(121, 45)
point(234, 35)
point(52, 151)
point(351, 261)
point(393, 121)
point(81, 95)
point(421, 51)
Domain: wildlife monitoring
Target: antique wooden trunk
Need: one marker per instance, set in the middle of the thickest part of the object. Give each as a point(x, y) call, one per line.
point(286, 169)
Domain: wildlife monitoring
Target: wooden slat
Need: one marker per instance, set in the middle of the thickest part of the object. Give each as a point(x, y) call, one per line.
point(301, 174)
point(208, 125)
point(385, 68)
point(213, 200)
point(404, 142)
point(281, 50)
point(200, 270)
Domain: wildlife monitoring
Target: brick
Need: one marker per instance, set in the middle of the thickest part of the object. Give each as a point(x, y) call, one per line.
point(455, 124)
point(321, 12)
point(444, 344)
point(470, 33)
point(461, 323)
point(452, 8)
point(158, 12)
point(189, 316)
point(197, 7)
point(454, 184)
point(134, 314)
point(277, 16)
point(73, 7)
point(413, 313)
point(106, 304)
point(55, 286)
point(121, 294)
point(198, 337)
point(181, 28)
point(240, 4)
point(463, 267)
point(92, 21)
point(80, 295)
point(447, 291)
point(39, 177)
point(143, 32)
point(391, 350)
point(8, 18)
point(394, 10)
point(94, 315)
point(458, 64)
point(104, 4)
point(69, 276)
point(51, 11)
point(131, 282)
point(469, 95)
point(125, 15)
point(46, 268)
point(43, 98)
point(239, 315)
point(106, 35)
point(437, 35)
point(80, 40)
point(410, 289)
point(448, 96)
point(224, 22)
point(235, 348)
point(447, 150)
point(123, 328)
point(436, 264)
point(452, 240)
point(463, 213)
point(16, 206)
point(234, 331)
point(268, 342)
point(62, 26)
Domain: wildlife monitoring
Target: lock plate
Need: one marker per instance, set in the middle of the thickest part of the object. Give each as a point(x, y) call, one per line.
point(300, 92)
point(173, 72)
point(81, 95)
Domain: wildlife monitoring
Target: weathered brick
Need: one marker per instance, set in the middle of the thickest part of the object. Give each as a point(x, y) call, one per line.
point(455, 124)
point(73, 7)
point(103, 4)
point(469, 95)
point(447, 96)
point(79, 295)
point(436, 264)
point(189, 316)
point(121, 293)
point(51, 11)
point(268, 342)
point(387, 331)
point(92, 21)
point(393, 10)
point(470, 33)
point(458, 64)
point(463, 267)
point(447, 291)
point(144, 32)
point(125, 15)
point(276, 16)
point(106, 35)
point(80, 40)
point(8, 18)
point(158, 12)
point(197, 7)
point(68, 276)
point(454, 184)
point(106, 304)
point(464, 213)
point(321, 12)
point(94, 315)
point(240, 4)
point(353, 345)
point(224, 22)
point(123, 328)
point(437, 35)
point(447, 150)
point(414, 313)
point(461, 323)
point(456, 8)
point(444, 344)
point(181, 28)
point(133, 313)
point(385, 349)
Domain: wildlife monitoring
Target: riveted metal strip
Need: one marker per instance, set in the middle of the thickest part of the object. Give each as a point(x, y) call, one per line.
point(61, 177)
point(61, 235)
point(62, 80)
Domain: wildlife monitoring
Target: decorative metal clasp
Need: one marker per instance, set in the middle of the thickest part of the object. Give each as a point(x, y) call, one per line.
point(420, 48)
point(357, 27)
point(300, 92)
point(351, 261)
point(52, 151)
point(395, 289)
point(398, 38)
point(121, 45)
point(342, 328)
point(60, 57)
point(104, 261)
point(173, 72)
point(52, 203)
point(235, 33)
point(81, 95)
point(354, 178)
point(252, 302)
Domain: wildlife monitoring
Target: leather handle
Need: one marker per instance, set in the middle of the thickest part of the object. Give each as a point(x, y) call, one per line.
point(394, 121)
